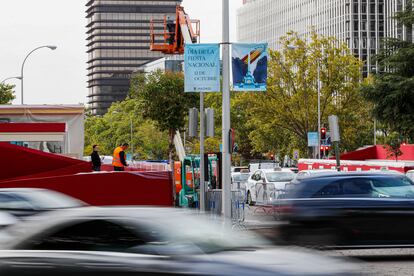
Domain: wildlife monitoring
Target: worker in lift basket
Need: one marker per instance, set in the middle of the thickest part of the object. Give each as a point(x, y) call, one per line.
point(171, 30)
point(119, 160)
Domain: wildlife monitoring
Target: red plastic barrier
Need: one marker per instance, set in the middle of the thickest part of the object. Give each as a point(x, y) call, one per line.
point(22, 162)
point(107, 188)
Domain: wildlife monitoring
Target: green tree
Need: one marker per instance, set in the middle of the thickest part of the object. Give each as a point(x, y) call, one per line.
point(161, 98)
point(113, 129)
point(393, 145)
point(392, 90)
point(6, 93)
point(280, 119)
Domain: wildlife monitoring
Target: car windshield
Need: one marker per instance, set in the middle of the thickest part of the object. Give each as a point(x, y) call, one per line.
point(45, 199)
point(410, 175)
point(279, 176)
point(396, 187)
point(209, 236)
point(241, 177)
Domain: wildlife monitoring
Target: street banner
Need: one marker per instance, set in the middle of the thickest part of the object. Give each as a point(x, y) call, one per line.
point(249, 66)
point(202, 68)
point(313, 139)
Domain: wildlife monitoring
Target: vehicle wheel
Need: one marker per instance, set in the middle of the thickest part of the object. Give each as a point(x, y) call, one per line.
point(249, 199)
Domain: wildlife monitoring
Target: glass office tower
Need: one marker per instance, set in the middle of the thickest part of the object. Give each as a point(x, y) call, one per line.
point(118, 41)
point(361, 24)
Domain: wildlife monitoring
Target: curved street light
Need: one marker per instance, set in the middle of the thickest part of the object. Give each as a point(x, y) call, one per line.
point(24, 61)
point(3, 81)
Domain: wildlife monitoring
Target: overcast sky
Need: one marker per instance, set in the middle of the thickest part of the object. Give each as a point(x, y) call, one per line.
point(59, 77)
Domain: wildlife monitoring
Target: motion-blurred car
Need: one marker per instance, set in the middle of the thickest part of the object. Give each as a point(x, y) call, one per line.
point(22, 202)
point(349, 209)
point(264, 185)
point(146, 241)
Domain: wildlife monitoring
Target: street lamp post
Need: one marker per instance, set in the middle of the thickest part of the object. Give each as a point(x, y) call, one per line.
point(24, 61)
point(10, 78)
point(132, 144)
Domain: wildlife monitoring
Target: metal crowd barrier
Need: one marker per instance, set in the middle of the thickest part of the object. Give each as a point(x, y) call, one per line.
point(214, 204)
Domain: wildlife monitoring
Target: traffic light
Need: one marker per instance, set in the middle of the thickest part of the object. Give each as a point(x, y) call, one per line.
point(323, 133)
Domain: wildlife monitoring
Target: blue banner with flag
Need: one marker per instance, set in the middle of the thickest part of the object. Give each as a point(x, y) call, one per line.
point(202, 68)
point(249, 64)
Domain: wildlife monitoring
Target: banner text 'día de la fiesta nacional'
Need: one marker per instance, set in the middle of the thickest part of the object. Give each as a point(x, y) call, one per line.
point(202, 68)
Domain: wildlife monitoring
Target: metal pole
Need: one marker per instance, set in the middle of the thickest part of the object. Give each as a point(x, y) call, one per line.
point(132, 144)
point(6, 79)
point(202, 177)
point(375, 132)
point(226, 165)
point(338, 162)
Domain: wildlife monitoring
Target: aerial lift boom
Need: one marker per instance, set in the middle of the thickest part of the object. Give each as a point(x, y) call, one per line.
point(175, 33)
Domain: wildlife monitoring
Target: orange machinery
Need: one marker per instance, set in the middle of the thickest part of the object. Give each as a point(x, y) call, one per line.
point(175, 33)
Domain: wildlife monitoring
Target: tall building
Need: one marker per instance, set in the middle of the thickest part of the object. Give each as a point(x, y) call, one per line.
point(118, 41)
point(361, 24)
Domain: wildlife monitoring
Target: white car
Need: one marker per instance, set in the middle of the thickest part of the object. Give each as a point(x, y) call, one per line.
point(306, 173)
point(410, 174)
point(264, 185)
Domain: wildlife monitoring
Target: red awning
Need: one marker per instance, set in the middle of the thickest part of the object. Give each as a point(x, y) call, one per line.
point(32, 127)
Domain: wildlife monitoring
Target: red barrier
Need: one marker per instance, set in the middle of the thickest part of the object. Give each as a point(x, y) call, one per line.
point(21, 162)
point(107, 188)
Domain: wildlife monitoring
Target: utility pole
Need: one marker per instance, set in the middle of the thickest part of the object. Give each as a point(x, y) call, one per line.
point(226, 165)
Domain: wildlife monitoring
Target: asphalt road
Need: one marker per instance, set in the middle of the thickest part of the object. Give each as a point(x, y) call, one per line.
point(384, 262)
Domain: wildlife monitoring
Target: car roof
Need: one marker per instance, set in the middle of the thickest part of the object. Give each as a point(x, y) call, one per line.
point(353, 173)
point(276, 170)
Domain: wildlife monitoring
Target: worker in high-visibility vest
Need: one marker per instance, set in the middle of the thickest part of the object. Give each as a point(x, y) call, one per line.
point(119, 159)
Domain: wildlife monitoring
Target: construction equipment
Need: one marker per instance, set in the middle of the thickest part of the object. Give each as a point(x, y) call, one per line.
point(175, 32)
point(190, 178)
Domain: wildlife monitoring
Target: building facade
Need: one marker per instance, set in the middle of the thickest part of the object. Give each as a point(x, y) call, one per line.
point(361, 24)
point(118, 41)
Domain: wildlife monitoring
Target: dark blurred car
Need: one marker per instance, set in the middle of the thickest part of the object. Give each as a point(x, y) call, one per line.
point(349, 209)
point(22, 202)
point(147, 241)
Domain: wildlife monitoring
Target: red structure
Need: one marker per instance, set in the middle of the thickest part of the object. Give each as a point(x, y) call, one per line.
point(378, 152)
point(24, 167)
point(368, 158)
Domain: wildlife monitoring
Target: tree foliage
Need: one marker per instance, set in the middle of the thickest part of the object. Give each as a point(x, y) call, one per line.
point(6, 93)
point(161, 98)
point(279, 120)
point(393, 145)
point(392, 90)
point(114, 128)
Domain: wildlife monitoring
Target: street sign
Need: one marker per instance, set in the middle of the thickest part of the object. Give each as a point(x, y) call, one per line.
point(296, 154)
point(334, 128)
point(313, 139)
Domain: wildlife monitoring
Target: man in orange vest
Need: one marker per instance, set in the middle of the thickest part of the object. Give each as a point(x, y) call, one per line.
point(119, 161)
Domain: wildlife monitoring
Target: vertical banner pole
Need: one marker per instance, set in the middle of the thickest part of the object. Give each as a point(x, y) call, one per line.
point(202, 177)
point(226, 165)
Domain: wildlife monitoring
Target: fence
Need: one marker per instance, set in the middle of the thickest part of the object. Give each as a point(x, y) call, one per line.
point(149, 166)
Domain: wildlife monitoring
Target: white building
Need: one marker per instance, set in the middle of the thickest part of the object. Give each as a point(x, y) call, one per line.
point(361, 24)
